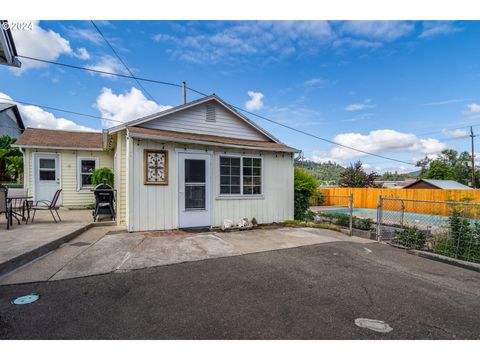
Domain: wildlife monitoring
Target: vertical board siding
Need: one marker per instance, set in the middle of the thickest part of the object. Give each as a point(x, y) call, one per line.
point(121, 177)
point(194, 120)
point(154, 207)
point(368, 198)
point(71, 196)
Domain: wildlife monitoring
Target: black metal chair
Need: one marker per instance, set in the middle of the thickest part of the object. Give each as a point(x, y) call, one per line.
point(4, 206)
point(48, 205)
point(104, 201)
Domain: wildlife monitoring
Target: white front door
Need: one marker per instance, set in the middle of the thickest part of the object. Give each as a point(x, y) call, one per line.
point(47, 176)
point(194, 190)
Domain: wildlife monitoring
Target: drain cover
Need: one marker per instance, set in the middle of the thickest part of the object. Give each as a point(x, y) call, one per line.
point(375, 325)
point(26, 299)
point(80, 243)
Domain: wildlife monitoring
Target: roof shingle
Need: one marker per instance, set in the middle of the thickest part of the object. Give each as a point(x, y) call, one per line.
point(32, 137)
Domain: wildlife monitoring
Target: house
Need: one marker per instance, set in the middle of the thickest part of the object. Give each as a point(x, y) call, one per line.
point(8, 52)
point(193, 165)
point(393, 184)
point(11, 122)
point(437, 184)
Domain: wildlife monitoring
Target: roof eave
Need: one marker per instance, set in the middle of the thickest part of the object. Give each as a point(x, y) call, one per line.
point(209, 143)
point(56, 147)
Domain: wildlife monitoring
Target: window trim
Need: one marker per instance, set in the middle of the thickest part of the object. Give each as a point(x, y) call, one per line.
point(79, 173)
point(241, 195)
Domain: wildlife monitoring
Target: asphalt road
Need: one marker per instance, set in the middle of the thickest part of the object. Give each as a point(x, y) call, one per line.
point(310, 292)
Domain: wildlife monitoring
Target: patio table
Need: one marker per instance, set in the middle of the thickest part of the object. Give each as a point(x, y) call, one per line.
point(24, 200)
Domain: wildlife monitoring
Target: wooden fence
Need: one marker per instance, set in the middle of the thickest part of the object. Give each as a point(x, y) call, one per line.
point(368, 198)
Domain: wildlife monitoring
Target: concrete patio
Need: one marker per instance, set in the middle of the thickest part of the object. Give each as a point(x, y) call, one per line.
point(24, 242)
point(92, 253)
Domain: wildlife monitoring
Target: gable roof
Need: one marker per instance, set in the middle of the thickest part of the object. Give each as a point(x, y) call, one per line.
point(6, 106)
point(189, 105)
point(442, 184)
point(60, 139)
point(138, 132)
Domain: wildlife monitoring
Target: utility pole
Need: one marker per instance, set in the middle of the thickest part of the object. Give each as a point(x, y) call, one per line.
point(472, 136)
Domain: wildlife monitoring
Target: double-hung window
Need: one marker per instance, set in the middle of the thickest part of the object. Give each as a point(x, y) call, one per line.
point(85, 168)
point(240, 175)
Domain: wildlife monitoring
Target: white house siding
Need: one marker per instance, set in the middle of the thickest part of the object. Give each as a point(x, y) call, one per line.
point(120, 177)
point(154, 207)
point(193, 120)
point(71, 196)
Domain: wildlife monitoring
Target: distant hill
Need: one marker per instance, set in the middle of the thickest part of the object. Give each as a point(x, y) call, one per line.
point(328, 173)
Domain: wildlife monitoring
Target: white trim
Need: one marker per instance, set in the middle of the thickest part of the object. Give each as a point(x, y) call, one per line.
point(81, 188)
point(57, 147)
point(208, 143)
point(220, 196)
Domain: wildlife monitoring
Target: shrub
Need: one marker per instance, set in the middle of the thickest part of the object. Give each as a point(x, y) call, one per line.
point(305, 186)
point(411, 237)
point(363, 224)
point(101, 175)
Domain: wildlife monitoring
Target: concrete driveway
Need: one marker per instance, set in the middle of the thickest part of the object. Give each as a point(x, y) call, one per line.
point(91, 254)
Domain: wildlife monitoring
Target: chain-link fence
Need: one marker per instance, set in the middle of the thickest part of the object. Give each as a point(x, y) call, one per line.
point(443, 227)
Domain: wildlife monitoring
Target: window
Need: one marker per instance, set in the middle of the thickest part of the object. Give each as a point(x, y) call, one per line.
point(47, 169)
point(86, 166)
point(240, 175)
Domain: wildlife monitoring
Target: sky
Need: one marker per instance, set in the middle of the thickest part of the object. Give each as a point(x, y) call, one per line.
point(401, 89)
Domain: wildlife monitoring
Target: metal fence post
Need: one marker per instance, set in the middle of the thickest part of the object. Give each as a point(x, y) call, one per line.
point(379, 217)
point(350, 205)
point(403, 214)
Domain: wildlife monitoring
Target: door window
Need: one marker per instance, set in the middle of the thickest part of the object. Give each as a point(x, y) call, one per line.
point(195, 185)
point(46, 169)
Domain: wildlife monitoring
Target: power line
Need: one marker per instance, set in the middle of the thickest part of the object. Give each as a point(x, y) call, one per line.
point(121, 60)
point(231, 105)
point(62, 110)
point(100, 71)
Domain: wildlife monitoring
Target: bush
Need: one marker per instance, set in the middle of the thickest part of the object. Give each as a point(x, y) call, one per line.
point(363, 224)
point(101, 175)
point(411, 237)
point(305, 186)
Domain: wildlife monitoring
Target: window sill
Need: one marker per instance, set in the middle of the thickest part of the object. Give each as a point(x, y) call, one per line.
point(85, 189)
point(239, 197)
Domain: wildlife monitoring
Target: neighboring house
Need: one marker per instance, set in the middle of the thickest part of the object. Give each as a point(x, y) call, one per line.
point(193, 165)
point(8, 53)
point(393, 184)
point(11, 122)
point(437, 184)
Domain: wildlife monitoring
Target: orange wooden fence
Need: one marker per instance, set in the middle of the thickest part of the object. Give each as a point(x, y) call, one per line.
point(368, 198)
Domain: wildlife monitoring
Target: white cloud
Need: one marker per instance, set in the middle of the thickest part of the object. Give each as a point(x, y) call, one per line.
point(109, 64)
point(444, 102)
point(435, 28)
point(379, 142)
point(357, 43)
point(380, 30)
point(456, 133)
point(255, 102)
point(473, 108)
point(315, 82)
point(39, 43)
point(86, 34)
point(125, 107)
point(36, 117)
point(82, 53)
point(367, 104)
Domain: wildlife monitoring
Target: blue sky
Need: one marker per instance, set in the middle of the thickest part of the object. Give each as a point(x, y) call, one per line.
point(397, 88)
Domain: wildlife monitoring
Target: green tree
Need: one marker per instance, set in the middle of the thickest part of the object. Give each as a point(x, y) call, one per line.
point(7, 151)
point(439, 170)
point(305, 186)
point(354, 176)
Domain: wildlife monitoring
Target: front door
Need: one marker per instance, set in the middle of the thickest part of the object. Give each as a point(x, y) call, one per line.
point(194, 190)
point(47, 176)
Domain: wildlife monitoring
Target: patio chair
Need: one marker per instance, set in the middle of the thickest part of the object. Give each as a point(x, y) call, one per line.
point(19, 205)
point(4, 208)
point(48, 205)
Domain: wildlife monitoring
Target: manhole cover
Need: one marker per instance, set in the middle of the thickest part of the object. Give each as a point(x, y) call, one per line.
point(26, 299)
point(80, 243)
point(375, 325)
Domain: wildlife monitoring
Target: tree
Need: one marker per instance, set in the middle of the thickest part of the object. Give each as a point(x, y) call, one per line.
point(305, 186)
point(354, 176)
point(6, 152)
point(439, 170)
